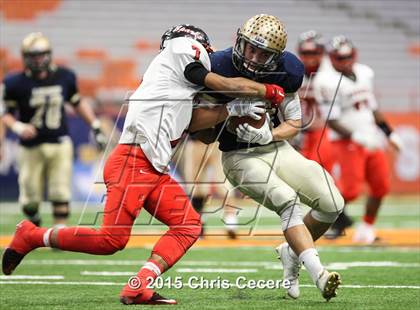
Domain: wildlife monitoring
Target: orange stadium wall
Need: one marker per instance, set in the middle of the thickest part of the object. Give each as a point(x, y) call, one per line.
point(405, 166)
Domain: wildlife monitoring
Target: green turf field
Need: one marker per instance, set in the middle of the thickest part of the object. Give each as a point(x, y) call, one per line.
point(396, 212)
point(378, 278)
point(373, 277)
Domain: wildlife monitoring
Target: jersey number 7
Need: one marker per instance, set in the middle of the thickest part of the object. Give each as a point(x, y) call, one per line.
point(197, 52)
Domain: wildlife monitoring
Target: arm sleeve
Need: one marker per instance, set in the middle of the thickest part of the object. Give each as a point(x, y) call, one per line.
point(195, 73)
point(290, 108)
point(7, 101)
point(189, 58)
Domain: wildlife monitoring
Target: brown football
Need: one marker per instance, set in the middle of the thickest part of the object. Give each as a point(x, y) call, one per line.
point(235, 121)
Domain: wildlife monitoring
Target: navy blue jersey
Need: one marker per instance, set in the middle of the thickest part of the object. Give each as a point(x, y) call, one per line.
point(41, 102)
point(289, 76)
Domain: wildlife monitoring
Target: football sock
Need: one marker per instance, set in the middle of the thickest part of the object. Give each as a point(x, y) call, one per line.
point(231, 222)
point(147, 274)
point(36, 237)
point(291, 252)
point(150, 271)
point(176, 241)
point(310, 259)
point(92, 241)
point(369, 219)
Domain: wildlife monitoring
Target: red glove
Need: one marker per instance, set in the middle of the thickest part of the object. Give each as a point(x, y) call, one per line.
point(274, 93)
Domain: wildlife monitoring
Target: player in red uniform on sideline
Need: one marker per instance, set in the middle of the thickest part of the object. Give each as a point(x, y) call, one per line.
point(356, 124)
point(135, 173)
point(316, 144)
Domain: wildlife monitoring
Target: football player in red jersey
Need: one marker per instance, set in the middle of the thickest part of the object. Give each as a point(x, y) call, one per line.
point(136, 172)
point(316, 144)
point(358, 132)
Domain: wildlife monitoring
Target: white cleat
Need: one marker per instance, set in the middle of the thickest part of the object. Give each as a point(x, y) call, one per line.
point(291, 267)
point(365, 233)
point(327, 283)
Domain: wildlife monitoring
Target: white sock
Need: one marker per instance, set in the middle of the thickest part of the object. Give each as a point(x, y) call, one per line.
point(152, 267)
point(46, 237)
point(231, 222)
point(291, 252)
point(310, 259)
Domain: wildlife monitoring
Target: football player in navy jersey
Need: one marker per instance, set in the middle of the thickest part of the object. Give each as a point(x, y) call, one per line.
point(33, 102)
point(262, 164)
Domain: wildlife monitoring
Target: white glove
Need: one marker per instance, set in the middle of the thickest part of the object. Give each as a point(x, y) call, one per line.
point(369, 141)
point(241, 107)
point(251, 134)
point(396, 141)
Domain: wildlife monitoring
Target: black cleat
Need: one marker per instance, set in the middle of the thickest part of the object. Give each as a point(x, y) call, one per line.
point(11, 259)
point(156, 299)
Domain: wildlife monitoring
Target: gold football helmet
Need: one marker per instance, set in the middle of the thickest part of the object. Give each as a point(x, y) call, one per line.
point(36, 52)
point(263, 31)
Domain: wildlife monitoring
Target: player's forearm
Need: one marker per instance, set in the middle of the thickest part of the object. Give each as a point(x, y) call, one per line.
point(203, 118)
point(382, 123)
point(286, 130)
point(86, 112)
point(2, 132)
point(9, 120)
point(207, 136)
point(235, 87)
point(340, 129)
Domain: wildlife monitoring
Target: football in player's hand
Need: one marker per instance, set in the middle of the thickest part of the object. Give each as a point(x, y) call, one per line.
point(235, 121)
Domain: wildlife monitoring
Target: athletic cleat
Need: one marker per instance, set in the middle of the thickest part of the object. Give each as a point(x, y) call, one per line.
point(291, 267)
point(338, 228)
point(18, 248)
point(328, 283)
point(156, 299)
point(365, 233)
point(231, 234)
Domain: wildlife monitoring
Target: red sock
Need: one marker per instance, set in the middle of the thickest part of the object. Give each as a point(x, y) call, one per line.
point(37, 237)
point(369, 219)
point(138, 285)
point(150, 271)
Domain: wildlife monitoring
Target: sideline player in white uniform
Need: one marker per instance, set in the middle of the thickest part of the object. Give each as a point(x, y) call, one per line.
point(356, 124)
point(135, 173)
point(263, 165)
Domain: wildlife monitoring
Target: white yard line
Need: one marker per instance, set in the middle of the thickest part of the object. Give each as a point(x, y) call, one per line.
point(186, 285)
point(191, 263)
point(107, 273)
point(31, 277)
point(215, 270)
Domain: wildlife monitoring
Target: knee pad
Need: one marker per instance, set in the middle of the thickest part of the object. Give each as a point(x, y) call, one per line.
point(30, 209)
point(31, 212)
point(291, 215)
point(61, 210)
point(325, 217)
point(329, 209)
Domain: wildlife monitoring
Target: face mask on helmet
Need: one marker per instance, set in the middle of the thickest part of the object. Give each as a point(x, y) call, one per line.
point(259, 46)
point(311, 49)
point(342, 54)
point(36, 52)
point(186, 30)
